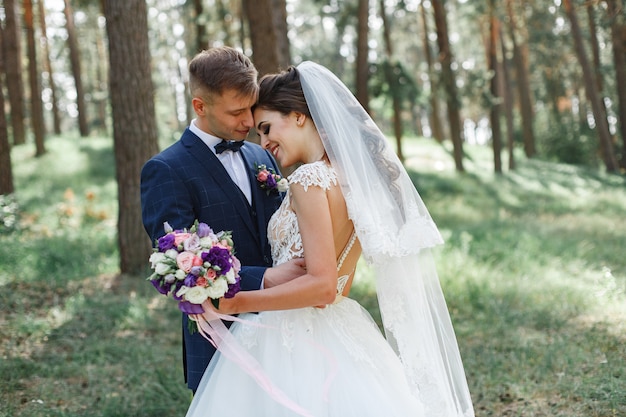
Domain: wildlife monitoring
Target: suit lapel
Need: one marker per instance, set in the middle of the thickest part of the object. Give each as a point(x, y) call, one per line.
point(257, 198)
point(209, 162)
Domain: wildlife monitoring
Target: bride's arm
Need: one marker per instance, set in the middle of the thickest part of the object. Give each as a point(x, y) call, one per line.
point(319, 285)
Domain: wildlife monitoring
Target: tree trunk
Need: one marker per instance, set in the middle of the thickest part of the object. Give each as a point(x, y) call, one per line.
point(72, 42)
point(449, 82)
point(47, 67)
point(134, 122)
point(362, 52)
point(202, 41)
point(392, 82)
point(506, 94)
point(6, 171)
point(101, 98)
point(11, 42)
point(222, 13)
point(523, 86)
point(597, 66)
point(435, 113)
point(36, 106)
point(595, 45)
point(267, 20)
point(494, 114)
point(618, 39)
point(602, 125)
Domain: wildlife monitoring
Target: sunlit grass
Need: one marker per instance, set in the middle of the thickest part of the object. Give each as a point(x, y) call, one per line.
point(532, 268)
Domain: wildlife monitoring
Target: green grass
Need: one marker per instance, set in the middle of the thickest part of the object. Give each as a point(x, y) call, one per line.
point(533, 270)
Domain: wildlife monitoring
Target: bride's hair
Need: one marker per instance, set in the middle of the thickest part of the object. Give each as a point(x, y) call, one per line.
point(283, 93)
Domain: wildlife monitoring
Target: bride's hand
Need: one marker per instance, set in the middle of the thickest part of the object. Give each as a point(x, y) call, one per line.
point(284, 272)
point(226, 306)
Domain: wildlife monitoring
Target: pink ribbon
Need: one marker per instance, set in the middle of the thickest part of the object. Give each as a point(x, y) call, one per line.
point(211, 327)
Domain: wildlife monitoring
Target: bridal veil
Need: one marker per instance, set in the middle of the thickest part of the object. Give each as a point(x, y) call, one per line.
point(395, 231)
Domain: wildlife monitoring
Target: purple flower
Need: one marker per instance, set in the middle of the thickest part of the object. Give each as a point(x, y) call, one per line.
point(271, 181)
point(203, 230)
point(190, 280)
point(189, 308)
point(196, 270)
point(219, 257)
point(161, 286)
point(177, 287)
point(166, 242)
point(233, 288)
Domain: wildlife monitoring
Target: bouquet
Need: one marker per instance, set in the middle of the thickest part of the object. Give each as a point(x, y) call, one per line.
point(270, 180)
point(195, 265)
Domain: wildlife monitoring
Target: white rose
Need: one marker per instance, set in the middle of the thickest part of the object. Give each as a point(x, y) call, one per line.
point(230, 276)
point(171, 253)
point(217, 289)
point(207, 241)
point(282, 185)
point(163, 268)
point(196, 295)
point(156, 258)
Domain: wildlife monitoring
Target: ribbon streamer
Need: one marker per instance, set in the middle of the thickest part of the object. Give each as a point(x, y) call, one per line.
point(211, 327)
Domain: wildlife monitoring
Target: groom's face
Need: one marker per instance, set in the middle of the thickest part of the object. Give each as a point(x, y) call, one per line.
point(227, 116)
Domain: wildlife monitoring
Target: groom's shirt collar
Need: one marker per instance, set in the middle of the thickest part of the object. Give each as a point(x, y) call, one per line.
point(209, 140)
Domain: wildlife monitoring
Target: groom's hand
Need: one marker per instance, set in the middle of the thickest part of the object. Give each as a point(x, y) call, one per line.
point(283, 273)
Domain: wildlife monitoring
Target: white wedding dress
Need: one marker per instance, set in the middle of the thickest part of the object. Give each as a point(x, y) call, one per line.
point(332, 362)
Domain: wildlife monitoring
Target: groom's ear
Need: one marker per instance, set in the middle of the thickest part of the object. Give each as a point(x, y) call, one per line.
point(198, 105)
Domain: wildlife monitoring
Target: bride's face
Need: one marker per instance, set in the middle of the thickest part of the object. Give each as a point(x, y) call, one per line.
point(283, 136)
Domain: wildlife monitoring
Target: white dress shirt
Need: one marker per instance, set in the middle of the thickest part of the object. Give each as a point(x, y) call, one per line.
point(232, 161)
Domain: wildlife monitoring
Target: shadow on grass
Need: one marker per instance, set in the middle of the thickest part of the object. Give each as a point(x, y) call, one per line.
point(108, 354)
point(535, 348)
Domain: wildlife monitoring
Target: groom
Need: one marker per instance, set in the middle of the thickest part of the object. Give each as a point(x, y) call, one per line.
point(210, 175)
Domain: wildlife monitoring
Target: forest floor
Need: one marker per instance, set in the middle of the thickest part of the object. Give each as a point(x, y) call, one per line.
point(533, 270)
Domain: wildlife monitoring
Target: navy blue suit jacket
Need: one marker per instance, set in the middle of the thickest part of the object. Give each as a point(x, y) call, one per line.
point(186, 182)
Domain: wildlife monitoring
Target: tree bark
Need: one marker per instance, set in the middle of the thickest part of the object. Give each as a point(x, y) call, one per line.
point(72, 42)
point(449, 82)
point(362, 52)
point(47, 67)
point(618, 40)
point(11, 43)
point(36, 106)
point(134, 122)
point(506, 94)
point(523, 86)
point(267, 20)
point(435, 113)
point(6, 170)
point(494, 68)
point(392, 82)
point(602, 125)
point(597, 66)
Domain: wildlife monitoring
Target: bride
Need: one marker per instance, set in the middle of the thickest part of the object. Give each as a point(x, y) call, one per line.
point(312, 351)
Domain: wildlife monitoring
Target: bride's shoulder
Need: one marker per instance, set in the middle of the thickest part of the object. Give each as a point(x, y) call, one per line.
point(318, 174)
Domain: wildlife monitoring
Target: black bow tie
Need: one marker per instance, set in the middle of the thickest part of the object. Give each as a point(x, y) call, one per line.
point(224, 145)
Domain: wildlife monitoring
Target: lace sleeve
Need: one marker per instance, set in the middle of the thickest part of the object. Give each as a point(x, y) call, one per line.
point(317, 174)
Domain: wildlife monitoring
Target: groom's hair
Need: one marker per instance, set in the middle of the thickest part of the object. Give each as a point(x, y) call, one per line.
point(215, 70)
point(283, 93)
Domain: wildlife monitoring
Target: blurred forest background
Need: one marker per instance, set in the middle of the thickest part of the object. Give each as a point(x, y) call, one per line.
point(516, 110)
point(548, 77)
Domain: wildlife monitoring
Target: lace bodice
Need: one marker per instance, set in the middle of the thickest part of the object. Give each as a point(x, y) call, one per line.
point(283, 231)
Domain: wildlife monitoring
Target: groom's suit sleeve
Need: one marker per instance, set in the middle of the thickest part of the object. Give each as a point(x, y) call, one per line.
point(164, 197)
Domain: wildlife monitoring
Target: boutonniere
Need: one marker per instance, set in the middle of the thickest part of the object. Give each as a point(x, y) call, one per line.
point(270, 180)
